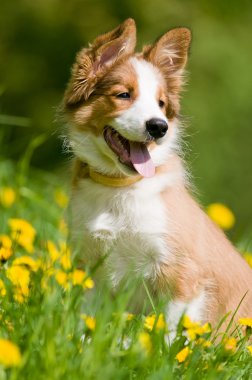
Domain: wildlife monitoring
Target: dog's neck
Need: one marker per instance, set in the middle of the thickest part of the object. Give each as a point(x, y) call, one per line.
point(82, 170)
point(113, 181)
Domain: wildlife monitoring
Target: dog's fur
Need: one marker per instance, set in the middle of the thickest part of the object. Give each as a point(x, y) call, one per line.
point(153, 228)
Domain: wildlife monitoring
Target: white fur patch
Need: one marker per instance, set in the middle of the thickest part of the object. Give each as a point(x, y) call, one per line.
point(130, 224)
point(131, 123)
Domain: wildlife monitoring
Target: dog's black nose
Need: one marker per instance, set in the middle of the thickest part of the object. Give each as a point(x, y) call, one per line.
point(157, 128)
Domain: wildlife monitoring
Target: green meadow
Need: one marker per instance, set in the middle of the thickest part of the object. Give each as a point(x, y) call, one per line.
point(56, 320)
point(57, 323)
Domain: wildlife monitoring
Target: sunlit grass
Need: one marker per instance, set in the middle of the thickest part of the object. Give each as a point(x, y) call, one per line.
point(57, 323)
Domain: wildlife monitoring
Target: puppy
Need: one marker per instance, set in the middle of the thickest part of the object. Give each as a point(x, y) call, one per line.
point(130, 195)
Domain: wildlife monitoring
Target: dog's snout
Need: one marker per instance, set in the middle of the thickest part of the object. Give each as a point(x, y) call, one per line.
point(157, 128)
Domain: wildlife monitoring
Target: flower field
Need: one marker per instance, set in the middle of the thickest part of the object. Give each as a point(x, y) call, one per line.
point(57, 323)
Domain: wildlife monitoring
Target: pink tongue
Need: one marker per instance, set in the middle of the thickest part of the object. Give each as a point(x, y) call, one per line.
point(141, 159)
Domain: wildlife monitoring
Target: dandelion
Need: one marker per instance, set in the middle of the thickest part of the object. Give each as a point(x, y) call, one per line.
point(53, 250)
point(152, 320)
point(20, 277)
point(221, 215)
point(10, 355)
point(89, 321)
point(7, 196)
point(27, 261)
point(65, 252)
point(2, 288)
point(78, 276)
point(230, 344)
point(145, 342)
point(246, 322)
point(183, 354)
point(62, 278)
point(61, 198)
point(5, 247)
point(23, 233)
point(194, 329)
point(249, 348)
point(88, 283)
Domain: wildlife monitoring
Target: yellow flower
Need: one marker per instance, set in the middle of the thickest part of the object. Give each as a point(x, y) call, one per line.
point(5, 247)
point(249, 349)
point(7, 196)
point(230, 344)
point(150, 321)
point(62, 278)
point(61, 198)
point(245, 322)
point(248, 257)
point(88, 283)
point(9, 354)
point(27, 261)
point(183, 354)
point(53, 250)
point(89, 321)
point(194, 329)
point(65, 256)
point(221, 215)
point(145, 342)
point(78, 276)
point(20, 277)
point(2, 288)
point(23, 233)
point(65, 261)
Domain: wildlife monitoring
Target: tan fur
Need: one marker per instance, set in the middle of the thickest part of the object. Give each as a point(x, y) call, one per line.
point(92, 63)
point(205, 260)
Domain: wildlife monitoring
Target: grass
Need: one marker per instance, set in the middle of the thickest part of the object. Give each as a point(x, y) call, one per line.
point(64, 326)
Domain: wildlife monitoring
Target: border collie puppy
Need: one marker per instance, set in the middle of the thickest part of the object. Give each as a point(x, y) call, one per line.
point(130, 195)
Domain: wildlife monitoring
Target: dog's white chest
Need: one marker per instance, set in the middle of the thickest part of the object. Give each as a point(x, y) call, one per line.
point(129, 226)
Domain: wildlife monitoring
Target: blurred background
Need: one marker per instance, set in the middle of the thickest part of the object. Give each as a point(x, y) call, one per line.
point(38, 43)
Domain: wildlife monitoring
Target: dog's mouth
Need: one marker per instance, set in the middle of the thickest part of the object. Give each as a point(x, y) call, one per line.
point(133, 154)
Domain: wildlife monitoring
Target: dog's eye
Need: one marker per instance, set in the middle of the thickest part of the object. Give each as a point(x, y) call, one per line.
point(123, 95)
point(161, 103)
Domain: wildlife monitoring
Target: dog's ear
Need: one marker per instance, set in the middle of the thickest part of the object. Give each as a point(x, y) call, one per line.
point(93, 62)
point(169, 53)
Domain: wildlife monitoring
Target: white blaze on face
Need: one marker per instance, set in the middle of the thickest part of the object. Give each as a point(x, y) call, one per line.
point(132, 122)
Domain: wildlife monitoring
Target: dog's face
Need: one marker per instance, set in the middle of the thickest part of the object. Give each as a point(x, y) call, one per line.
point(122, 107)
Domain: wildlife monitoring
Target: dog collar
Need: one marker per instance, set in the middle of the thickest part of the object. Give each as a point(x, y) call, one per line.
point(82, 170)
point(113, 181)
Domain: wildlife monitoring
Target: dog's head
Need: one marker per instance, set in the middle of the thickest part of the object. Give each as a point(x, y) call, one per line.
point(122, 107)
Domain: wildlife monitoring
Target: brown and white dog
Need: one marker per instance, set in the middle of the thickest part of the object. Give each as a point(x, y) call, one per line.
point(130, 192)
